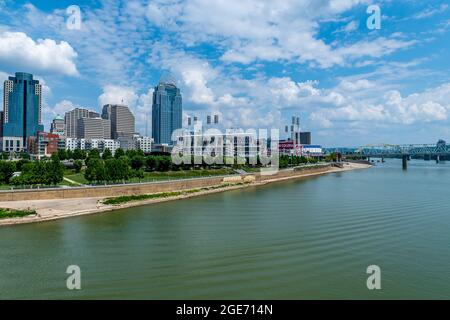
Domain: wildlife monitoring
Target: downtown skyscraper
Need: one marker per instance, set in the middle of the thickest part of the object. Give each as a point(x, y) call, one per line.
point(122, 120)
point(72, 119)
point(166, 112)
point(22, 109)
point(122, 124)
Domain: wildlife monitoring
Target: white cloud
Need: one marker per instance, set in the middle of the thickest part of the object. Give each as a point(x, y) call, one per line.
point(349, 27)
point(429, 12)
point(3, 76)
point(112, 43)
point(258, 30)
point(113, 94)
point(392, 108)
point(49, 113)
point(338, 6)
point(374, 48)
point(62, 107)
point(360, 84)
point(195, 74)
point(43, 55)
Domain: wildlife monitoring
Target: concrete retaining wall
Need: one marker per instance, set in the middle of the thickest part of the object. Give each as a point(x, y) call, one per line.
point(109, 191)
point(144, 188)
point(293, 172)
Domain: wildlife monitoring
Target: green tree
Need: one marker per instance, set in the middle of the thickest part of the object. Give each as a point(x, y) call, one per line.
point(62, 154)
point(119, 153)
point(7, 169)
point(117, 169)
point(95, 171)
point(137, 162)
point(77, 165)
point(38, 173)
point(151, 163)
point(17, 181)
point(138, 174)
point(94, 153)
point(332, 157)
point(24, 155)
point(69, 154)
point(55, 171)
point(164, 163)
point(25, 177)
point(20, 164)
point(284, 161)
point(106, 154)
point(79, 154)
point(130, 153)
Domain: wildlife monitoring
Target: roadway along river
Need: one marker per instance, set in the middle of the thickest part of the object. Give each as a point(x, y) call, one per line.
point(300, 239)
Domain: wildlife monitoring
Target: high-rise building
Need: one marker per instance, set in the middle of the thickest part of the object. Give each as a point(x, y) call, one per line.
point(166, 112)
point(22, 108)
point(71, 120)
point(122, 120)
point(2, 117)
point(305, 138)
point(293, 131)
point(94, 128)
point(58, 126)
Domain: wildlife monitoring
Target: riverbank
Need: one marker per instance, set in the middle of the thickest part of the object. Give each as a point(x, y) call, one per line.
point(52, 209)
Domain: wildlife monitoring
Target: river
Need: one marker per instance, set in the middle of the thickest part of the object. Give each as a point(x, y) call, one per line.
point(303, 239)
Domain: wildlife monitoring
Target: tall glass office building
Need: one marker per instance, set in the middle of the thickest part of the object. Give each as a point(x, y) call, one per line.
point(22, 108)
point(166, 112)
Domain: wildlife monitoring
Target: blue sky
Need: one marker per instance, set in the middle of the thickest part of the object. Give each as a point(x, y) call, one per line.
point(256, 63)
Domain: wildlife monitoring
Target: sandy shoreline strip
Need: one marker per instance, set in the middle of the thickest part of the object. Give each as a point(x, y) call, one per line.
point(48, 210)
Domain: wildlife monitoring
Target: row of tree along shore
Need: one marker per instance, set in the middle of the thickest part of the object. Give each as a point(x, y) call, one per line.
point(97, 168)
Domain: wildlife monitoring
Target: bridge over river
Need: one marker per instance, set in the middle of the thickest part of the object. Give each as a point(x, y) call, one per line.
point(427, 151)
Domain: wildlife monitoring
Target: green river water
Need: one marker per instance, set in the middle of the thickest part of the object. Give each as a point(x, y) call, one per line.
point(303, 239)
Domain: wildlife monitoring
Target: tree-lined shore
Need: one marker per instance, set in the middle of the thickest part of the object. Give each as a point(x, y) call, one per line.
point(81, 167)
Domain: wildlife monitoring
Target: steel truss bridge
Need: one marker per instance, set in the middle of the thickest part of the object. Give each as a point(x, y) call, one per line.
point(402, 150)
point(389, 150)
point(405, 152)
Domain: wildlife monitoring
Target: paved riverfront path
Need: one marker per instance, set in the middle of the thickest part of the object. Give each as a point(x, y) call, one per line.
point(73, 182)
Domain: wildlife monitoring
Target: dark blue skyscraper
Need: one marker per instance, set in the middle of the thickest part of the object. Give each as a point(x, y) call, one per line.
point(22, 106)
point(166, 112)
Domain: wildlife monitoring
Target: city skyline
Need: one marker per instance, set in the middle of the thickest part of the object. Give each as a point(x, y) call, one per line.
point(350, 85)
point(224, 156)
